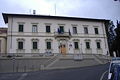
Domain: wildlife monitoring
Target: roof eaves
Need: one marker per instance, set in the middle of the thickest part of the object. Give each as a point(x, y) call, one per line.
point(5, 16)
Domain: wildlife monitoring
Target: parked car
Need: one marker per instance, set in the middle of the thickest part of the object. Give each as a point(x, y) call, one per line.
point(114, 69)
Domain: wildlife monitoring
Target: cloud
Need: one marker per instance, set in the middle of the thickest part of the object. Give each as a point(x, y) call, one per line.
point(107, 9)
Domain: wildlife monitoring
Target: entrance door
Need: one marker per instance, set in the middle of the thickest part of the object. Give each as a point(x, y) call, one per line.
point(63, 49)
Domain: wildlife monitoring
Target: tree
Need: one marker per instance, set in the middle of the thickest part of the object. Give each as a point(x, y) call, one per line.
point(117, 0)
point(114, 40)
point(111, 37)
point(116, 43)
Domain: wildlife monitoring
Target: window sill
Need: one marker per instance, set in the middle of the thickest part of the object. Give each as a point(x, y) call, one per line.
point(99, 48)
point(88, 49)
point(20, 50)
point(20, 32)
point(48, 49)
point(77, 49)
point(34, 32)
point(48, 32)
point(35, 50)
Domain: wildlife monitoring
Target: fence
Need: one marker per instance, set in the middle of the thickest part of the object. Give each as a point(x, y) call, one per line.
point(37, 61)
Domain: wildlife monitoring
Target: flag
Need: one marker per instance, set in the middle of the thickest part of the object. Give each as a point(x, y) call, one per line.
point(58, 30)
point(117, 23)
point(69, 32)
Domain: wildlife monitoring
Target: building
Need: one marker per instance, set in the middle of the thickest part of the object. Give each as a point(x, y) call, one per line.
point(3, 41)
point(31, 33)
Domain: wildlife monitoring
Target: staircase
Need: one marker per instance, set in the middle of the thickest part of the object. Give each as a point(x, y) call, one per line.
point(102, 59)
point(50, 62)
point(59, 61)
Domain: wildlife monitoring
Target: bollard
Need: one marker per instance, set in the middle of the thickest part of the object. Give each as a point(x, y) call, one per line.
point(17, 69)
point(32, 67)
point(24, 68)
point(42, 67)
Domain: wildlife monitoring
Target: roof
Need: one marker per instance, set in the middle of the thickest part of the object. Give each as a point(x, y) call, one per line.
point(3, 30)
point(6, 15)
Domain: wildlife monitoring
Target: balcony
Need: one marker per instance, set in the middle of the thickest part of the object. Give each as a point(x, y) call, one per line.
point(62, 35)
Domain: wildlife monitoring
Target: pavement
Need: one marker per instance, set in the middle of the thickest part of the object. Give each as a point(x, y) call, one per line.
point(84, 73)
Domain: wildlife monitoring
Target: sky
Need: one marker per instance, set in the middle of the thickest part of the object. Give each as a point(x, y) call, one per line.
point(100, 9)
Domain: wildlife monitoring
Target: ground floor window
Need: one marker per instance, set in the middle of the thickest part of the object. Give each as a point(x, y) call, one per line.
point(87, 45)
point(98, 45)
point(76, 46)
point(20, 45)
point(35, 45)
point(0, 45)
point(48, 45)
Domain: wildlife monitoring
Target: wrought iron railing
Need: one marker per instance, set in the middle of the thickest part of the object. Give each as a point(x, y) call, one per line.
point(63, 34)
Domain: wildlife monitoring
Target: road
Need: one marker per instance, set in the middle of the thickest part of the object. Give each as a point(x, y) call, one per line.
point(85, 73)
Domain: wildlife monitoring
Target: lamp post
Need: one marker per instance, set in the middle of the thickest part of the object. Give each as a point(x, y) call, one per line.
point(81, 51)
point(70, 46)
point(60, 42)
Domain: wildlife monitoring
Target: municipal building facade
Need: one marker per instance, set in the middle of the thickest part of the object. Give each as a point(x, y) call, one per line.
point(31, 33)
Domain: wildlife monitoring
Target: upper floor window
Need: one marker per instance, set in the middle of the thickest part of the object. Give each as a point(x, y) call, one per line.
point(48, 29)
point(48, 45)
point(96, 30)
point(20, 29)
point(35, 45)
point(76, 45)
point(86, 30)
point(74, 30)
point(87, 45)
point(61, 29)
point(34, 28)
point(98, 45)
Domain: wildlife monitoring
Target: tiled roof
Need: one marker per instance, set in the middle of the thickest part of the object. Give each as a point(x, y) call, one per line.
point(5, 16)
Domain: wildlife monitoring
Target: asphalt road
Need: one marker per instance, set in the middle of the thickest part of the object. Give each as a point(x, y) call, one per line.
point(86, 73)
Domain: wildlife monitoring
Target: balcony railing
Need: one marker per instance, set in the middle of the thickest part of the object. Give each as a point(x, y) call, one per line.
point(62, 34)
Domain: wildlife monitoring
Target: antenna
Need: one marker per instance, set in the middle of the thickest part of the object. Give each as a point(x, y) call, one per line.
point(55, 8)
point(34, 12)
point(30, 11)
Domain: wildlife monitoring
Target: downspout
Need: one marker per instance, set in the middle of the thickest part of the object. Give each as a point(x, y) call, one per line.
point(11, 33)
point(105, 37)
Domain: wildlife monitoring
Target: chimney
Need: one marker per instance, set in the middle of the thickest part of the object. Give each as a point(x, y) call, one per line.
point(34, 11)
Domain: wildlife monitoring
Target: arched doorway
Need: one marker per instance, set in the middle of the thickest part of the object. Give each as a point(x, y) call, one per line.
point(63, 47)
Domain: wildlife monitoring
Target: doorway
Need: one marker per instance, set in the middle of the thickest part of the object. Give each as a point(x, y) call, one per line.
point(63, 49)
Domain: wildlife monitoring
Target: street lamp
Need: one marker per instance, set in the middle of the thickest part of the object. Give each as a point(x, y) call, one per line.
point(81, 51)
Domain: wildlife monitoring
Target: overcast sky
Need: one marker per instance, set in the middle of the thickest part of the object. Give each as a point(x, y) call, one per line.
point(103, 9)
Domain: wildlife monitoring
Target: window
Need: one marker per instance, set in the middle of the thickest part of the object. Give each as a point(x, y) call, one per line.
point(0, 46)
point(74, 30)
point(20, 28)
point(96, 30)
point(20, 45)
point(48, 45)
point(62, 29)
point(85, 30)
point(48, 29)
point(35, 46)
point(98, 45)
point(76, 45)
point(88, 45)
point(34, 28)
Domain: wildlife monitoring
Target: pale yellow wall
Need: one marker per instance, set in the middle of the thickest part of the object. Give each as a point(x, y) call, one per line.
point(3, 39)
point(54, 25)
